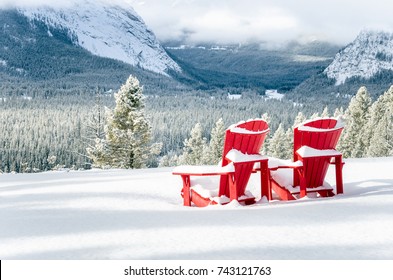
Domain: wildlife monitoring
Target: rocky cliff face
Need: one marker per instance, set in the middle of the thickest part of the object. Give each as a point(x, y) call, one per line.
point(368, 54)
point(106, 30)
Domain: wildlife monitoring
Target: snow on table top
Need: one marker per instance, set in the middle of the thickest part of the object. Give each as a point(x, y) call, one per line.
point(307, 151)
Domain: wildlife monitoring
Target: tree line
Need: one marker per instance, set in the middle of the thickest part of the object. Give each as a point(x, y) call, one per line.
point(368, 132)
point(45, 133)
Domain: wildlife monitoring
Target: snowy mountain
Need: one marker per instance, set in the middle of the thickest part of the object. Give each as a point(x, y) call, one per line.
point(370, 53)
point(106, 30)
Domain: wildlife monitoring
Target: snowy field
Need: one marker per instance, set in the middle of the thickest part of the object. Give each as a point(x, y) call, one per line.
point(138, 214)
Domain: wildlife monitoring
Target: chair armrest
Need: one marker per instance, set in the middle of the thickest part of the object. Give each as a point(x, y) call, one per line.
point(205, 170)
point(236, 156)
point(308, 152)
point(276, 163)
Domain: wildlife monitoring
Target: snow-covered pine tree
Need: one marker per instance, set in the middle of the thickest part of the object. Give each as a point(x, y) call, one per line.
point(128, 132)
point(300, 118)
point(353, 142)
point(265, 146)
point(338, 112)
point(98, 153)
point(214, 152)
point(381, 140)
point(380, 126)
point(169, 160)
point(325, 112)
point(280, 146)
point(194, 147)
point(95, 135)
point(314, 116)
point(289, 145)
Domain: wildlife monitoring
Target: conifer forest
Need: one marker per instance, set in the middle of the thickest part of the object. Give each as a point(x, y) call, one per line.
point(44, 132)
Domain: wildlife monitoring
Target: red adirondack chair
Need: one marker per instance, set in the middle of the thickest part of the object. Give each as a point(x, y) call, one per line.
point(242, 145)
point(314, 149)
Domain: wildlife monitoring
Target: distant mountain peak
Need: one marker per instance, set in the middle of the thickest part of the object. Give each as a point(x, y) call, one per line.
point(106, 30)
point(368, 54)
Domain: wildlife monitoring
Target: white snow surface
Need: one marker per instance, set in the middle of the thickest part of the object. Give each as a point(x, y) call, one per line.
point(138, 214)
point(237, 156)
point(368, 54)
point(306, 152)
point(273, 94)
point(107, 30)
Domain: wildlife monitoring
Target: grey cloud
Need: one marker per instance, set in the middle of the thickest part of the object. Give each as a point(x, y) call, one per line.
point(237, 21)
point(272, 20)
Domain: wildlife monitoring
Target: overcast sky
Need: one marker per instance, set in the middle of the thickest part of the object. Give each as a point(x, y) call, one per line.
point(239, 21)
point(268, 20)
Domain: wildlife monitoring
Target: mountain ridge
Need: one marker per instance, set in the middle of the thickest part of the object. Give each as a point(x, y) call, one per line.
point(106, 30)
point(370, 53)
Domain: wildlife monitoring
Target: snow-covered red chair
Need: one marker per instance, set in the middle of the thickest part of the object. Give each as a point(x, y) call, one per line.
point(220, 184)
point(314, 149)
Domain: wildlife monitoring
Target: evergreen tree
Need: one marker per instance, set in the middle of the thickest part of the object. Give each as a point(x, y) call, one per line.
point(128, 132)
point(338, 112)
point(95, 134)
point(354, 141)
point(194, 147)
point(325, 113)
point(169, 161)
point(280, 145)
point(216, 145)
point(98, 153)
point(380, 126)
point(265, 146)
point(314, 116)
point(300, 118)
point(381, 143)
point(289, 144)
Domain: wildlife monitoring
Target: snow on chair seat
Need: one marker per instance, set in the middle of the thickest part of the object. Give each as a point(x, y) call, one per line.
point(284, 177)
point(242, 144)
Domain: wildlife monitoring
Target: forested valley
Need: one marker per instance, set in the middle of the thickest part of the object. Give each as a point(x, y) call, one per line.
point(43, 132)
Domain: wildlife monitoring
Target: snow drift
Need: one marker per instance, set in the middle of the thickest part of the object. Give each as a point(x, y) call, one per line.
point(138, 214)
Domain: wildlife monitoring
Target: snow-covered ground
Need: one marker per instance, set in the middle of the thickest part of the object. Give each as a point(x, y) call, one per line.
point(138, 214)
point(273, 94)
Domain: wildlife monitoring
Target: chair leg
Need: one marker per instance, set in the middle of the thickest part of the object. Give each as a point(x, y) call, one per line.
point(303, 186)
point(233, 195)
point(266, 189)
point(339, 174)
point(186, 190)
